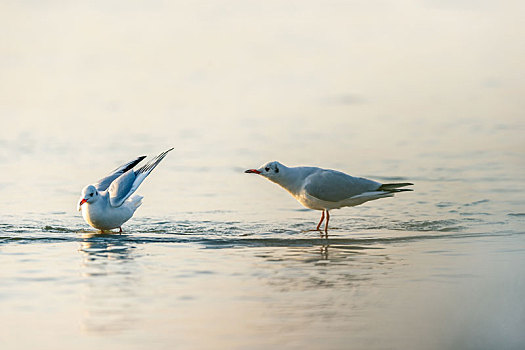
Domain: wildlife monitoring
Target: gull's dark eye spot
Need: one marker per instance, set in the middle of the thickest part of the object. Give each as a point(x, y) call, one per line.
point(91, 194)
point(276, 170)
point(267, 169)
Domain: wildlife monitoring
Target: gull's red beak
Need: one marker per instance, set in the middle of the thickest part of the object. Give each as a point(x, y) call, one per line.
point(252, 171)
point(82, 202)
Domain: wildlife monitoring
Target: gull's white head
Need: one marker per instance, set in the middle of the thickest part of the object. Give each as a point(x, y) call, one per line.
point(271, 170)
point(89, 195)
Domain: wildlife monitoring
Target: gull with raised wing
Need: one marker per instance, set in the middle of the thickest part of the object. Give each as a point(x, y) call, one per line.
point(325, 189)
point(109, 203)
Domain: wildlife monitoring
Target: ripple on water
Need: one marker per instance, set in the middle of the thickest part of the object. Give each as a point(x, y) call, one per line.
point(49, 228)
point(366, 231)
point(482, 201)
point(444, 225)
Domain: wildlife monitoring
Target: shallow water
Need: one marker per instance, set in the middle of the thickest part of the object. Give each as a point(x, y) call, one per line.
point(422, 270)
point(219, 259)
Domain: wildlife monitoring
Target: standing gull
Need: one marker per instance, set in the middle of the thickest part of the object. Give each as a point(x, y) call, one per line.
point(108, 204)
point(325, 189)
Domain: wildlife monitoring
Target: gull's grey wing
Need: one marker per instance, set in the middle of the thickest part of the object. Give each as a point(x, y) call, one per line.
point(125, 185)
point(104, 183)
point(335, 186)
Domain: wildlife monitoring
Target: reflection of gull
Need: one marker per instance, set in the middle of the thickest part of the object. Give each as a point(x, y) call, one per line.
point(108, 204)
point(325, 189)
point(341, 267)
point(110, 284)
point(105, 246)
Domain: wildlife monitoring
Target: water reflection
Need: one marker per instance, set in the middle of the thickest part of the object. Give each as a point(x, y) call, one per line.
point(110, 283)
point(335, 264)
point(100, 246)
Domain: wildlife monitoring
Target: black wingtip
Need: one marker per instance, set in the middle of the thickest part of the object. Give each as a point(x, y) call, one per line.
point(392, 186)
point(132, 164)
point(154, 162)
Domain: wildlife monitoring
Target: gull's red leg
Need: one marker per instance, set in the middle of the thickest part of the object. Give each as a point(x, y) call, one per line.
point(326, 224)
point(320, 222)
point(120, 229)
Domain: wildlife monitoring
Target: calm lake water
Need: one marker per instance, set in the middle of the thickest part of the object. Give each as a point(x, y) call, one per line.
point(428, 92)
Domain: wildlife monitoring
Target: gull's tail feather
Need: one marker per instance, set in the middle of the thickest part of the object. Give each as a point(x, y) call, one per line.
point(394, 187)
point(135, 201)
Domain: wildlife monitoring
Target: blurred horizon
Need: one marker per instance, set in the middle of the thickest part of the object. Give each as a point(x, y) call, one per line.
point(133, 67)
point(259, 76)
point(417, 86)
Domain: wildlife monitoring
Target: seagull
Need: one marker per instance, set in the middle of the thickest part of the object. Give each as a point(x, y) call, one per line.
point(326, 189)
point(108, 204)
